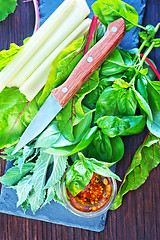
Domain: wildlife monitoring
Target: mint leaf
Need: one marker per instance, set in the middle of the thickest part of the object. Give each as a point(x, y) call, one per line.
point(24, 186)
point(58, 170)
point(50, 195)
point(14, 175)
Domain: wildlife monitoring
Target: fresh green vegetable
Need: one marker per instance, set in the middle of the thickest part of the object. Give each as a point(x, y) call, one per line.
point(109, 11)
point(81, 172)
point(15, 115)
point(37, 79)
point(154, 102)
point(44, 42)
point(145, 159)
point(7, 7)
point(7, 55)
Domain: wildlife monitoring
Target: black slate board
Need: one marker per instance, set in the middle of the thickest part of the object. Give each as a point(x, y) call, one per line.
point(54, 212)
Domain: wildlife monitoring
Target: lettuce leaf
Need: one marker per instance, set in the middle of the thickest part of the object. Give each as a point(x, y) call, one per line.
point(15, 115)
point(7, 55)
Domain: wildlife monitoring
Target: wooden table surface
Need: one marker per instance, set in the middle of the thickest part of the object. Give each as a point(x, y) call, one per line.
point(139, 216)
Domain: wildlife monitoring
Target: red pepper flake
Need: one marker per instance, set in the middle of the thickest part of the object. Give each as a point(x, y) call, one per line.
point(94, 196)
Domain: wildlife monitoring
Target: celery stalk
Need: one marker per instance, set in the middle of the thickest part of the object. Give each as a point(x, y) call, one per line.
point(66, 27)
point(38, 79)
point(39, 38)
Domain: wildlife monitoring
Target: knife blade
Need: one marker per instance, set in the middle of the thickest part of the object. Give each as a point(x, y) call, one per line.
point(60, 96)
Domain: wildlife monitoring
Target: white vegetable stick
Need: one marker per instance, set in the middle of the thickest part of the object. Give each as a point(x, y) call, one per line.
point(78, 14)
point(38, 79)
point(36, 41)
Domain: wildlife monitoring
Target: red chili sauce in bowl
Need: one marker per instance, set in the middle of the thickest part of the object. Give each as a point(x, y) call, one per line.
point(94, 196)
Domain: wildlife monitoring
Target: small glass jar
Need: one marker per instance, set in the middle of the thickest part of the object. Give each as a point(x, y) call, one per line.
point(99, 200)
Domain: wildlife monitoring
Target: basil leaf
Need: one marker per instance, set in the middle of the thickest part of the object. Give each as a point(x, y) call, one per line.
point(80, 173)
point(117, 149)
point(109, 11)
point(140, 167)
point(154, 102)
point(78, 177)
point(112, 126)
point(127, 125)
point(141, 87)
point(156, 85)
point(137, 124)
point(107, 103)
point(91, 98)
point(127, 103)
point(69, 150)
point(114, 64)
point(100, 32)
point(143, 104)
point(100, 148)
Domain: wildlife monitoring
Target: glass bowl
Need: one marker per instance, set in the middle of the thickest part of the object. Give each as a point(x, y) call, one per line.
point(80, 207)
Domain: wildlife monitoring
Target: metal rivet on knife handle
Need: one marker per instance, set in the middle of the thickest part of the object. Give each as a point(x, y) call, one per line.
point(91, 61)
point(114, 29)
point(64, 89)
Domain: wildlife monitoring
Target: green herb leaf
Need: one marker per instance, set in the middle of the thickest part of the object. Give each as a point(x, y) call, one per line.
point(100, 148)
point(50, 195)
point(58, 170)
point(24, 186)
point(145, 159)
point(78, 177)
point(14, 175)
point(109, 11)
point(80, 173)
point(69, 150)
point(107, 103)
point(7, 7)
point(154, 102)
point(38, 193)
point(150, 29)
point(143, 104)
point(112, 126)
point(73, 113)
point(114, 64)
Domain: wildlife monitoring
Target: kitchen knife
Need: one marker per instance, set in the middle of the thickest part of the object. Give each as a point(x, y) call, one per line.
point(60, 96)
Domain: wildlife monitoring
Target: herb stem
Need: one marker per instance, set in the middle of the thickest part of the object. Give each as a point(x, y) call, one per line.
point(146, 54)
point(148, 38)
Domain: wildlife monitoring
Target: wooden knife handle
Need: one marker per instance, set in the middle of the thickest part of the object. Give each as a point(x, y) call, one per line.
point(90, 62)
